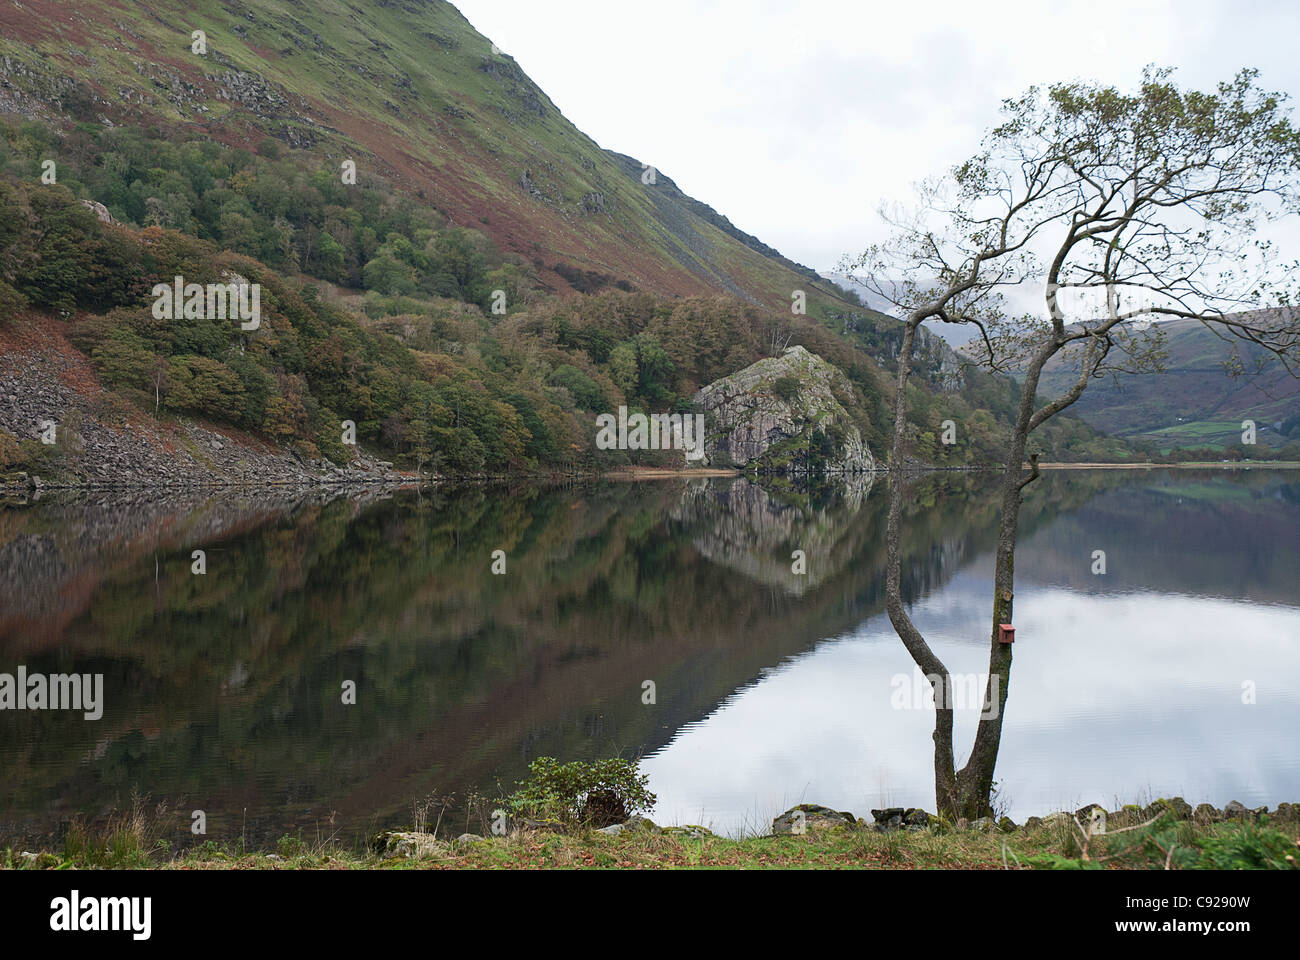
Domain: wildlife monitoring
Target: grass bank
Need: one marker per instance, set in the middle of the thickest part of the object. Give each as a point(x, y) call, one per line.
point(1063, 844)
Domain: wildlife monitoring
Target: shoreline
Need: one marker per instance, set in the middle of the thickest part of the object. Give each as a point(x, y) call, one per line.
point(806, 836)
point(1189, 465)
point(24, 484)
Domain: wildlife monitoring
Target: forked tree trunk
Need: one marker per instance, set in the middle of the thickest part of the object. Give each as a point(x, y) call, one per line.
point(975, 780)
point(945, 777)
point(966, 793)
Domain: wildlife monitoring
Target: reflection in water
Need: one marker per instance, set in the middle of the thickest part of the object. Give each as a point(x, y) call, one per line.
point(741, 526)
point(223, 690)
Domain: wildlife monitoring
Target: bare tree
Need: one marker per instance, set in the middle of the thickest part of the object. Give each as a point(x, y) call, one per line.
point(779, 334)
point(158, 377)
point(1122, 209)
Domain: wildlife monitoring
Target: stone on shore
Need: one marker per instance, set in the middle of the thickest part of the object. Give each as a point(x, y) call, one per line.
point(408, 844)
point(810, 817)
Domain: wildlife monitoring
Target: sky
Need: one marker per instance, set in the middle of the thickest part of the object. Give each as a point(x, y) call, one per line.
point(798, 119)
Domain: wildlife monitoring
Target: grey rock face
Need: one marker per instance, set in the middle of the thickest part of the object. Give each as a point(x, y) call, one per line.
point(98, 209)
point(770, 415)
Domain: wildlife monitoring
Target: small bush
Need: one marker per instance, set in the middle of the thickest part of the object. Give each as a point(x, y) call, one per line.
point(11, 301)
point(11, 451)
point(787, 388)
point(593, 794)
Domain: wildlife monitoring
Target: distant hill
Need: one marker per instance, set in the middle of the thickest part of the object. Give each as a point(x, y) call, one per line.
point(1208, 386)
point(1194, 401)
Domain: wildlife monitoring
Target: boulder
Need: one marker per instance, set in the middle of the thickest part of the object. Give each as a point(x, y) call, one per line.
point(889, 818)
point(813, 817)
point(408, 844)
point(1177, 808)
point(1084, 813)
point(1206, 813)
point(916, 817)
point(631, 825)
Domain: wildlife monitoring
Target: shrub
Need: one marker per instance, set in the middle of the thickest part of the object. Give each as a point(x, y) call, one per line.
point(11, 451)
point(787, 388)
point(594, 794)
point(11, 301)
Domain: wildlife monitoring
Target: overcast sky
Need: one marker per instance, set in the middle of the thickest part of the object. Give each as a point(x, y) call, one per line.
point(796, 119)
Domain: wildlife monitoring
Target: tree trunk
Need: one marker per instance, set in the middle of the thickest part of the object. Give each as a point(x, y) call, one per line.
point(975, 780)
point(945, 777)
point(966, 793)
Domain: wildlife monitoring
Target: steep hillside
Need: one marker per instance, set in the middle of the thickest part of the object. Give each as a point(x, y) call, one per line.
point(1208, 386)
point(488, 281)
point(415, 95)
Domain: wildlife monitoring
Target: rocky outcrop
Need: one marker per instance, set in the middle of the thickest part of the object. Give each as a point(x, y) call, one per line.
point(98, 209)
point(944, 365)
point(782, 415)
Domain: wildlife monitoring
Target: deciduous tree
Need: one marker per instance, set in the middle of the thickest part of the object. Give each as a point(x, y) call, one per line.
point(1119, 208)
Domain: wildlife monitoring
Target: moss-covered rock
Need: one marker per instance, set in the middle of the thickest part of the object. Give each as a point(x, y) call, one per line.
point(690, 831)
point(782, 415)
point(407, 844)
point(1176, 807)
point(810, 817)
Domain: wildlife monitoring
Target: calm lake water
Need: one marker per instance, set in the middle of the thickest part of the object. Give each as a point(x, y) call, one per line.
point(223, 692)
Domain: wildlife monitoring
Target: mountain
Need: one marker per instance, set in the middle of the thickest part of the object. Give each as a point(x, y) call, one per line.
point(414, 94)
point(452, 275)
point(1196, 400)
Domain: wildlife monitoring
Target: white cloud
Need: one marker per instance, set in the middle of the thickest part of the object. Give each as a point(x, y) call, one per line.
point(797, 120)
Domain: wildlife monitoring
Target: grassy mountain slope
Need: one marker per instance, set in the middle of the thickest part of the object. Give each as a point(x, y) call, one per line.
point(413, 93)
point(380, 295)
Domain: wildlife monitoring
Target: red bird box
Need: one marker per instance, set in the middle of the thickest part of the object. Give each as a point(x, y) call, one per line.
point(1006, 633)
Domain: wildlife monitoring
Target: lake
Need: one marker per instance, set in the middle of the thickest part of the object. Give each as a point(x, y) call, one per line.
point(1174, 672)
